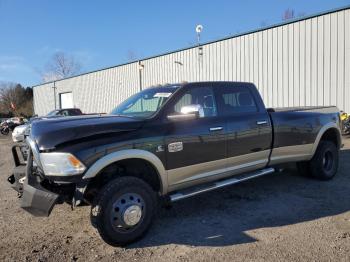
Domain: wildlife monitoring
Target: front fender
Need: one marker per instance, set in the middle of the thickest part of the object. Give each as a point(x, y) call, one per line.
point(128, 154)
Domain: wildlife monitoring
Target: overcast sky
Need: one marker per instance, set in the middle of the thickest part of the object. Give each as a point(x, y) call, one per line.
point(106, 33)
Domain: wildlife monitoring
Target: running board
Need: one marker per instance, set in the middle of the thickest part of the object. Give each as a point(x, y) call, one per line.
point(212, 186)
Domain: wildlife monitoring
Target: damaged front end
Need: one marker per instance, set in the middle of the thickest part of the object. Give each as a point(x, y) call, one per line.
point(38, 194)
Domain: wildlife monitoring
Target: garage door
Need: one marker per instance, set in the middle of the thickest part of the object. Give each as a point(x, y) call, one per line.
point(66, 100)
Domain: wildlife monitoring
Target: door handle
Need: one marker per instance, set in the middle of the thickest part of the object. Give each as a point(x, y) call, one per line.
point(218, 128)
point(263, 122)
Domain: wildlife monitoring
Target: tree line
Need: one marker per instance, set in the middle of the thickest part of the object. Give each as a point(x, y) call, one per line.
point(15, 100)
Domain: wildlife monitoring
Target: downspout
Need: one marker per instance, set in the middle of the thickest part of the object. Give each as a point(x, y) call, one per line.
point(54, 93)
point(140, 80)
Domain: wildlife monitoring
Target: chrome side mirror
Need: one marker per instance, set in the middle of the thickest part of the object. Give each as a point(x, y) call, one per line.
point(188, 112)
point(193, 109)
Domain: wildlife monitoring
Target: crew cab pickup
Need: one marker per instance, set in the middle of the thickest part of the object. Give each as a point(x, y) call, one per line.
point(168, 143)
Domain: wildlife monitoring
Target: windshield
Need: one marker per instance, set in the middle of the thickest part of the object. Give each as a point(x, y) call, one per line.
point(52, 113)
point(144, 104)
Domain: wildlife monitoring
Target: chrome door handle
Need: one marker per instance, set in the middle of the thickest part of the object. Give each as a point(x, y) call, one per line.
point(218, 128)
point(261, 122)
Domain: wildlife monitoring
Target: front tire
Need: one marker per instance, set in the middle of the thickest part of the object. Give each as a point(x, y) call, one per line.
point(123, 211)
point(324, 164)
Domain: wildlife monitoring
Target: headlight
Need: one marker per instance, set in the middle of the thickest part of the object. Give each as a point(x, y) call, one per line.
point(61, 164)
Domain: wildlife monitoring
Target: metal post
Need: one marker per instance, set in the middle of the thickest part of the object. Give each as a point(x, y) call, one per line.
point(140, 75)
point(54, 93)
point(140, 81)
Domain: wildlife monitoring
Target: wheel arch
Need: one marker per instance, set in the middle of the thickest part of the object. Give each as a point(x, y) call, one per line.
point(330, 132)
point(129, 154)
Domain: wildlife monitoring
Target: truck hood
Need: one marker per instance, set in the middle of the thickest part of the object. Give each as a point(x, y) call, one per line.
point(50, 133)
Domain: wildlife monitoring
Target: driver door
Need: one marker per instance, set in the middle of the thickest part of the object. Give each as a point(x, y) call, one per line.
point(195, 148)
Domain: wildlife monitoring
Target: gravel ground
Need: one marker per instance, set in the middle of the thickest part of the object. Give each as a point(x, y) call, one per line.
point(276, 218)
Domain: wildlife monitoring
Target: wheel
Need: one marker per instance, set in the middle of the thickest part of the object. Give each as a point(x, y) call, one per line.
point(5, 131)
point(123, 210)
point(324, 164)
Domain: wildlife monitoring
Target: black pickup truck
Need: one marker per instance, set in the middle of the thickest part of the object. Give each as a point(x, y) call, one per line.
point(168, 143)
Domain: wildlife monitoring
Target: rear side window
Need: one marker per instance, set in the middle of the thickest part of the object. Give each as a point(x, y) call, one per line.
point(233, 100)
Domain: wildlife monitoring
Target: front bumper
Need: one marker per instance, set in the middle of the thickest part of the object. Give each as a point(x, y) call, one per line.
point(34, 198)
point(39, 194)
point(37, 200)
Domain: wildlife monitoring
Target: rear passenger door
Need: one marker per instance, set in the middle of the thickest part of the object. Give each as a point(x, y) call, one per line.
point(249, 131)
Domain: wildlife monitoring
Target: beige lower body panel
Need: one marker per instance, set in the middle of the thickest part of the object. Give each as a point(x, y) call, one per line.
point(183, 177)
point(286, 154)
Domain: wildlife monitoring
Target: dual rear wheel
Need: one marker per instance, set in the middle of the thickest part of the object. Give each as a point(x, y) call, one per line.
point(324, 164)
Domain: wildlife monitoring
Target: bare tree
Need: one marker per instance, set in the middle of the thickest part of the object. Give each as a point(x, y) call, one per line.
point(15, 99)
point(60, 66)
point(288, 14)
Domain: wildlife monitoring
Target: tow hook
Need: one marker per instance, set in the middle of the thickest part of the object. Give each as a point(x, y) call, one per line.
point(17, 186)
point(11, 179)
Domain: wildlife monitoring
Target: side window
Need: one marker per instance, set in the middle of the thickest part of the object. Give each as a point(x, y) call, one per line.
point(201, 96)
point(232, 100)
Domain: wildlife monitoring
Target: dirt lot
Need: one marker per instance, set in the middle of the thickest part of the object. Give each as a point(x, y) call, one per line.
point(278, 217)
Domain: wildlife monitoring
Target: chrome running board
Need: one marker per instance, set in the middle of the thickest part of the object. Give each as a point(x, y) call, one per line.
point(219, 184)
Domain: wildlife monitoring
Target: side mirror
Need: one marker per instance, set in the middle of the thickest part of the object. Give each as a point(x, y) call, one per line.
point(189, 112)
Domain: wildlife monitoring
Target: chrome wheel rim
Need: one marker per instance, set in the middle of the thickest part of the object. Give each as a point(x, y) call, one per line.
point(127, 212)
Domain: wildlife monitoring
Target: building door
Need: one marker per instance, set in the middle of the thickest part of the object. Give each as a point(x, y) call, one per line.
point(66, 100)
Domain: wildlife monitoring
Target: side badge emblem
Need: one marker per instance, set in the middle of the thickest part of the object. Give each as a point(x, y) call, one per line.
point(175, 147)
point(160, 148)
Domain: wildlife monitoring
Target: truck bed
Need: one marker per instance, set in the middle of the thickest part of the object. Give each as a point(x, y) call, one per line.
point(304, 108)
point(296, 129)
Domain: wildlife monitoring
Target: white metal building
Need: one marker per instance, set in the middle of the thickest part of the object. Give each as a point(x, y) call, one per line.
point(303, 62)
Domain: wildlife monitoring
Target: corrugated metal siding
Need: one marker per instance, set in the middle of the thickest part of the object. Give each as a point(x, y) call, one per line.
point(44, 100)
point(97, 92)
point(298, 64)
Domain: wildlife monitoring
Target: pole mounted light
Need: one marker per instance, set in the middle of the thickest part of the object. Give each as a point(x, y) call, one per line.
point(199, 29)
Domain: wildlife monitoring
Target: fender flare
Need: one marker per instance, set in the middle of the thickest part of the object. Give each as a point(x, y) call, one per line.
point(128, 154)
point(322, 131)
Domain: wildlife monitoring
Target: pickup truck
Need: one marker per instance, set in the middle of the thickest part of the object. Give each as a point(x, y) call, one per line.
point(165, 144)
